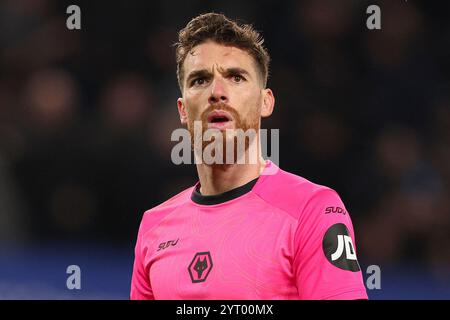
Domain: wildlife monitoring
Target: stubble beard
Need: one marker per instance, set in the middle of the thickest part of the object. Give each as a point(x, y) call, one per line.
point(230, 136)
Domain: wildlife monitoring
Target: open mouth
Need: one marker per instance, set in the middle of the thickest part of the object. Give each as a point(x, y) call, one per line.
point(219, 116)
point(219, 119)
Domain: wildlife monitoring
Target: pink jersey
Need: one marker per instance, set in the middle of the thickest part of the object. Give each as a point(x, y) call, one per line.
point(277, 237)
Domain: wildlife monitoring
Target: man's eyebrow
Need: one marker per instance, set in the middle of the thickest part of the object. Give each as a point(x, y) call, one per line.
point(236, 70)
point(207, 73)
point(198, 73)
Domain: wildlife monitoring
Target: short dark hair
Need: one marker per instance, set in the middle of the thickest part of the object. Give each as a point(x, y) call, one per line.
point(220, 29)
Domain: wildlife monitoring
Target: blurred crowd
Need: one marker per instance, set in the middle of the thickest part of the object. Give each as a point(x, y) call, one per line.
point(86, 116)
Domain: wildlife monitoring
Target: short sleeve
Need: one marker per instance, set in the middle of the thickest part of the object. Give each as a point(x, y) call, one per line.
point(140, 280)
point(325, 263)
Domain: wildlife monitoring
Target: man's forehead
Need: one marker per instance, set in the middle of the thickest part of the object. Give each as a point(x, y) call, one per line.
point(210, 54)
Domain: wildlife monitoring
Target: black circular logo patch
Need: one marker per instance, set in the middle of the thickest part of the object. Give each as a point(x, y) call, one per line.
point(339, 249)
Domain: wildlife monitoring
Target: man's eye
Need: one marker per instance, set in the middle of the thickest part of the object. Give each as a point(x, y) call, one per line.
point(198, 81)
point(238, 78)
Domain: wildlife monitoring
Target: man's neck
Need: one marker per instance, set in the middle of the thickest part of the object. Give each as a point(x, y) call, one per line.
point(216, 179)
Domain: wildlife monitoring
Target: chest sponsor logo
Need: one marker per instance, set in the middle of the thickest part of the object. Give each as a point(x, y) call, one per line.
point(340, 210)
point(165, 245)
point(200, 266)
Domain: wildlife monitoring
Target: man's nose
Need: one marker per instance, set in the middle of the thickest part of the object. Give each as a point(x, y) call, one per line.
point(218, 92)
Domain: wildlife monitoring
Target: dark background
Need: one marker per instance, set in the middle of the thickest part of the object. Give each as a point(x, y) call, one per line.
point(86, 117)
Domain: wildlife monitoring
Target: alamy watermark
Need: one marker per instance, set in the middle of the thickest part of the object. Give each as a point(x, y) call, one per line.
point(230, 146)
point(374, 280)
point(74, 20)
point(374, 20)
point(74, 279)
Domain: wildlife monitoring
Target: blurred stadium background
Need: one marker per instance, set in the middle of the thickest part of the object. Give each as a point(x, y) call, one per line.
point(86, 117)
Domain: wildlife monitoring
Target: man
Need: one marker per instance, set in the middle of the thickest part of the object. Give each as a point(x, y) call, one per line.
point(245, 230)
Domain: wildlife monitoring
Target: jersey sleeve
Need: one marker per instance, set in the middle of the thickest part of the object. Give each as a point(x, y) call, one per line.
point(140, 281)
point(325, 263)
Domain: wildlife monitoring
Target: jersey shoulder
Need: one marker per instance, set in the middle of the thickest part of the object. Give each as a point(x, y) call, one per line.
point(152, 216)
point(290, 192)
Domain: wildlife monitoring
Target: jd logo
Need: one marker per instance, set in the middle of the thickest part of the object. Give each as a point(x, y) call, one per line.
point(200, 267)
point(338, 248)
point(344, 241)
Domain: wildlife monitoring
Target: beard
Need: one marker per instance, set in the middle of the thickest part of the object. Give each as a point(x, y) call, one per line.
point(229, 136)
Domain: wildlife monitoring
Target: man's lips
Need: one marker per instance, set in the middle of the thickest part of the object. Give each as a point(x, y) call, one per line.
point(219, 116)
point(219, 119)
